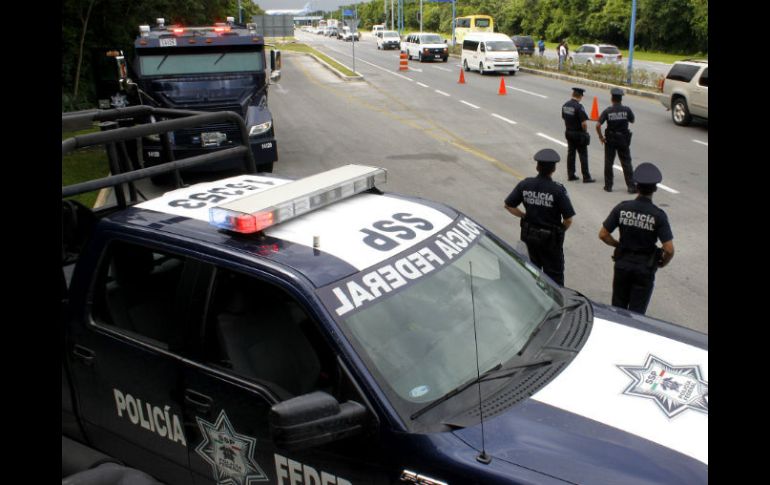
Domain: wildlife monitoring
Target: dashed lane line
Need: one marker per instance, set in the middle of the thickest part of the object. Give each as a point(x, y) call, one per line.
point(442, 68)
point(664, 187)
point(423, 85)
point(386, 70)
point(552, 139)
point(442, 93)
point(503, 118)
point(701, 142)
point(469, 104)
point(526, 92)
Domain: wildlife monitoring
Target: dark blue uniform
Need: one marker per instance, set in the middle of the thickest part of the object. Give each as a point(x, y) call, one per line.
point(617, 139)
point(573, 114)
point(547, 205)
point(641, 225)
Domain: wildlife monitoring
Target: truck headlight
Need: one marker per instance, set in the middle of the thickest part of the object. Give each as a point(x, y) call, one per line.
point(260, 128)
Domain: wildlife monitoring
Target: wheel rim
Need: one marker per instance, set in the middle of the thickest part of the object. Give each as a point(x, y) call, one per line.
point(679, 112)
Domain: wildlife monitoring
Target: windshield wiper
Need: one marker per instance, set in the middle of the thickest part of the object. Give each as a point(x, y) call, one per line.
point(509, 371)
point(552, 313)
point(454, 392)
point(161, 62)
point(220, 58)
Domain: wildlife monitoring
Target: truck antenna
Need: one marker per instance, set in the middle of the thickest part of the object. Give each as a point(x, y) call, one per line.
point(482, 457)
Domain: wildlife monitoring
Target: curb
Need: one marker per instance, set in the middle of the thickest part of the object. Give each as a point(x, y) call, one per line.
point(590, 82)
point(328, 66)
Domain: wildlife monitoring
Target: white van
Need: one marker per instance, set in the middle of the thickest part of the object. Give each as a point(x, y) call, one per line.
point(489, 52)
point(425, 46)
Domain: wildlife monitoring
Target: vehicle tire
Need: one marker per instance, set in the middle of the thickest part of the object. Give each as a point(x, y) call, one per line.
point(465, 65)
point(589, 62)
point(481, 68)
point(446, 59)
point(680, 113)
point(512, 73)
point(419, 56)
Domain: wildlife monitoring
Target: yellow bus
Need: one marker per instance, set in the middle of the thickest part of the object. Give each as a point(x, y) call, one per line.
point(472, 23)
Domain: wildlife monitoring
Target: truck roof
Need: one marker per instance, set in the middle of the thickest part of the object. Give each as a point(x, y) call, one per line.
point(221, 33)
point(324, 245)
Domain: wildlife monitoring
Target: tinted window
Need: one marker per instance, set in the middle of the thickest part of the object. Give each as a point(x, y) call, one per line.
point(704, 78)
point(470, 45)
point(682, 72)
point(463, 23)
point(431, 39)
point(260, 332)
point(136, 293)
point(156, 65)
point(500, 46)
point(609, 50)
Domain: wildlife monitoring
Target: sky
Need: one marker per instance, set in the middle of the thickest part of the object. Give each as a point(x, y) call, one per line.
point(326, 5)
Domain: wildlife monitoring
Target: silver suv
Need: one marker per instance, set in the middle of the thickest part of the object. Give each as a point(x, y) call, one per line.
point(686, 91)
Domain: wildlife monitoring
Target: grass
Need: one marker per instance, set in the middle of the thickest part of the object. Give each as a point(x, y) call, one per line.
point(613, 74)
point(299, 47)
point(639, 55)
point(82, 165)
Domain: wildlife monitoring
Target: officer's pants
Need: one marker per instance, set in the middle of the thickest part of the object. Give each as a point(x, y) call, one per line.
point(550, 259)
point(624, 153)
point(582, 150)
point(632, 289)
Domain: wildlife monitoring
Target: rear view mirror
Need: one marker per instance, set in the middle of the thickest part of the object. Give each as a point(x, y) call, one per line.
point(314, 419)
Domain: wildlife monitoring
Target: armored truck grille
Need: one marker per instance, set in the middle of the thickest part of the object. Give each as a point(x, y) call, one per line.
point(191, 136)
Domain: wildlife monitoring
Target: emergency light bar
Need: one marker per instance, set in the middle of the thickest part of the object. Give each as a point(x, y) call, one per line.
point(257, 212)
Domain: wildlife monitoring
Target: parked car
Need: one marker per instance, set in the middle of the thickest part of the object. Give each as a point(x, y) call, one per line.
point(388, 39)
point(524, 44)
point(596, 54)
point(686, 91)
point(425, 46)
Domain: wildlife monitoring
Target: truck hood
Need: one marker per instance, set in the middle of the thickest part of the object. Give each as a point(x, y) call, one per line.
point(631, 408)
point(205, 93)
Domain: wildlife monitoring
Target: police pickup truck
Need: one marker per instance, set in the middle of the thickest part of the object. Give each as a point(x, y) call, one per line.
point(256, 329)
point(211, 68)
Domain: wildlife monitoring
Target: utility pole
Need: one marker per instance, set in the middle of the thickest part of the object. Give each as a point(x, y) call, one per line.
point(631, 43)
point(392, 27)
point(420, 15)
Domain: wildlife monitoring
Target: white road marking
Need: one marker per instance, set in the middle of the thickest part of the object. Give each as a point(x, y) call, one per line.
point(386, 70)
point(552, 139)
point(525, 91)
point(442, 68)
point(442, 92)
point(423, 85)
point(504, 119)
point(415, 69)
point(469, 104)
point(664, 187)
point(701, 142)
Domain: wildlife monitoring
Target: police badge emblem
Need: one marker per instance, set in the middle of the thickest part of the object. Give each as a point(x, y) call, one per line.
point(674, 388)
point(231, 455)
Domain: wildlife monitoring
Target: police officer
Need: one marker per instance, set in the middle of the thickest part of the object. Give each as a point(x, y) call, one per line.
point(636, 256)
point(617, 138)
point(575, 118)
point(548, 215)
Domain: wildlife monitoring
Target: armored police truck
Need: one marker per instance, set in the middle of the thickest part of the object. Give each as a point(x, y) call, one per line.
point(211, 68)
point(257, 329)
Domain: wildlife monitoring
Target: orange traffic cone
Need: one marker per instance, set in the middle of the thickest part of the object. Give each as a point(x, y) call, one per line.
point(403, 65)
point(502, 86)
point(462, 77)
point(595, 110)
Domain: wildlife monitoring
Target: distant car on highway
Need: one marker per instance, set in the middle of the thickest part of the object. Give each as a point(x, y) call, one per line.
point(346, 35)
point(425, 46)
point(686, 91)
point(377, 30)
point(524, 44)
point(332, 32)
point(388, 39)
point(596, 54)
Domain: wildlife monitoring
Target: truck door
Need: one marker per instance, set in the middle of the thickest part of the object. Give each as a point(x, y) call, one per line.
point(124, 358)
point(258, 346)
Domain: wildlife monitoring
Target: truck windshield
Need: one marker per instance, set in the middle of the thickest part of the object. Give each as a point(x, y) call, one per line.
point(202, 63)
point(500, 46)
point(421, 339)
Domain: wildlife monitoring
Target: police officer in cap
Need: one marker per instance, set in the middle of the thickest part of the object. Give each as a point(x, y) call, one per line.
point(636, 256)
point(575, 122)
point(617, 138)
point(548, 215)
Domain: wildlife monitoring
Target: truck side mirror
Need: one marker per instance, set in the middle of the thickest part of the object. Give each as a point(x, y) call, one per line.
point(314, 419)
point(275, 66)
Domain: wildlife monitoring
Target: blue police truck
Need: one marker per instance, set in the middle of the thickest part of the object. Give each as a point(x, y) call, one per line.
point(256, 329)
point(222, 67)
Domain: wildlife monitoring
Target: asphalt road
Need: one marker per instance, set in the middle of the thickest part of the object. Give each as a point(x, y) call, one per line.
point(467, 146)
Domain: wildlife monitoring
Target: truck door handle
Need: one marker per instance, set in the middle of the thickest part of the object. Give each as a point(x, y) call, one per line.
point(83, 354)
point(200, 402)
